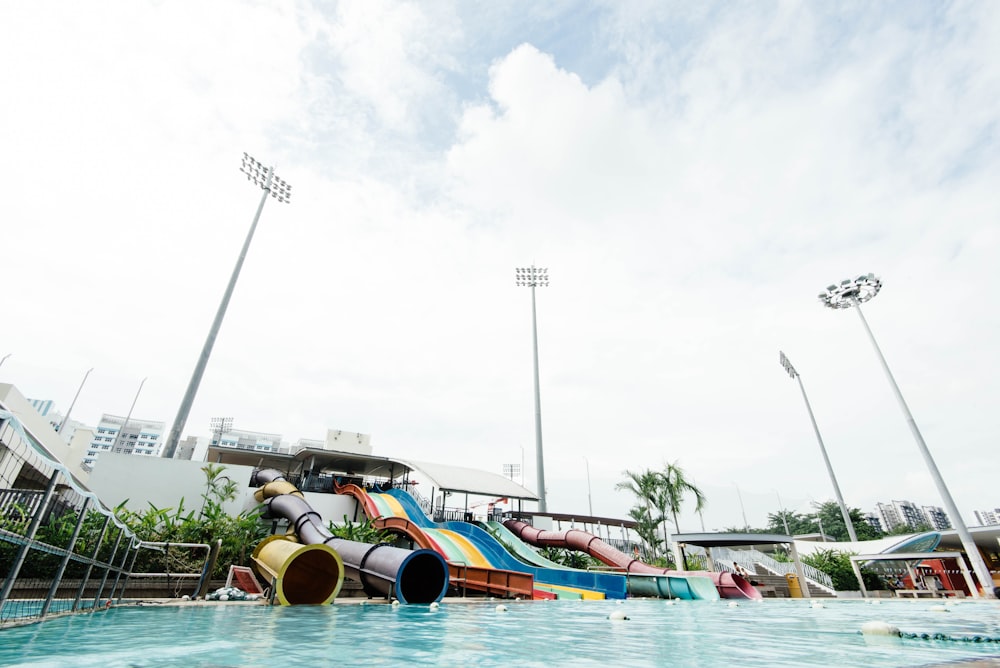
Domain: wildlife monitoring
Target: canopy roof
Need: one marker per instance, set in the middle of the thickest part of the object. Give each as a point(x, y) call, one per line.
point(319, 460)
point(471, 481)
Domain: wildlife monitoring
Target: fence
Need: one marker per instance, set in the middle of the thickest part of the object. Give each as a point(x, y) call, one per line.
point(61, 550)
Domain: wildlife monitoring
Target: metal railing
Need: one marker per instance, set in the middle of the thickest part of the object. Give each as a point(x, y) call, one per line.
point(61, 549)
point(750, 558)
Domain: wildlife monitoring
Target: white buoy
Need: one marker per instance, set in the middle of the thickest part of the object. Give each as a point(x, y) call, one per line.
point(875, 601)
point(435, 605)
point(501, 608)
point(734, 604)
point(185, 597)
point(395, 603)
point(879, 628)
point(617, 616)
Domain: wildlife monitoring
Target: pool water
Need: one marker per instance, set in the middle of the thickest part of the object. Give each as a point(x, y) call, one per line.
point(531, 633)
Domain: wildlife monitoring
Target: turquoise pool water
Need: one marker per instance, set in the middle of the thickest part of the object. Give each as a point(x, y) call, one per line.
point(550, 633)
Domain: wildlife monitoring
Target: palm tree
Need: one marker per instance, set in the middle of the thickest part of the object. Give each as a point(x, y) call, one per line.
point(644, 486)
point(673, 486)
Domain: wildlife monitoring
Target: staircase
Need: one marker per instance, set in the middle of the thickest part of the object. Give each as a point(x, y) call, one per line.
point(776, 586)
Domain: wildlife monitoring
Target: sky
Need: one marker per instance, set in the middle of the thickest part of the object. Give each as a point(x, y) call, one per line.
point(692, 175)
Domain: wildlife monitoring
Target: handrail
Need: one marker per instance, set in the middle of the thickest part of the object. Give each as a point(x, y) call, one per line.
point(750, 558)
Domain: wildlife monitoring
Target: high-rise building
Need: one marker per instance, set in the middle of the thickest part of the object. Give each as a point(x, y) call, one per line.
point(936, 517)
point(987, 517)
point(138, 437)
point(897, 514)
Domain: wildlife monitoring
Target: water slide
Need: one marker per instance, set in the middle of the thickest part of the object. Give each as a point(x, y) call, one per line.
point(304, 570)
point(473, 545)
point(674, 585)
point(728, 585)
point(462, 574)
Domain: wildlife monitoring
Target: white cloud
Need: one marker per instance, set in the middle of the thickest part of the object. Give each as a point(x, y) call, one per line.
point(690, 203)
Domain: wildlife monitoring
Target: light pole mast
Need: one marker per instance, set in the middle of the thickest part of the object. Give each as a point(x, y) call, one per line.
point(822, 448)
point(265, 178)
point(121, 432)
point(853, 293)
point(536, 277)
point(62, 425)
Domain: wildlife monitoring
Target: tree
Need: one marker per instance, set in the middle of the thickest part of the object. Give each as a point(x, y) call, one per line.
point(829, 514)
point(673, 487)
point(797, 523)
point(645, 526)
point(644, 485)
point(837, 565)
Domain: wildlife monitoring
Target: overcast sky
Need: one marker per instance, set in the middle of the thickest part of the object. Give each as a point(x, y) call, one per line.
point(691, 174)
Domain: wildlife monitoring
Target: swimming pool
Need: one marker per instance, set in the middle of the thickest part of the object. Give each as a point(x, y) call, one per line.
point(538, 633)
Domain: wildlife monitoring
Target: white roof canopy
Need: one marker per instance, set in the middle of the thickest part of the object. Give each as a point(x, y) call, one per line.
point(471, 481)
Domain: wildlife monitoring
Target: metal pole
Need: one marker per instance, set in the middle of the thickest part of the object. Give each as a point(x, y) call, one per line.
point(590, 503)
point(539, 459)
point(829, 468)
point(781, 509)
point(29, 538)
point(822, 448)
point(118, 436)
point(252, 167)
point(746, 525)
point(971, 549)
point(69, 547)
point(73, 403)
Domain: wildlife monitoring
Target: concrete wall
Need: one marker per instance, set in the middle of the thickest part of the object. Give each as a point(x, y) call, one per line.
point(163, 482)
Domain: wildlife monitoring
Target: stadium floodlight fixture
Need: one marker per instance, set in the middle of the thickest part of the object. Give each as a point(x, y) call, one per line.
point(852, 293)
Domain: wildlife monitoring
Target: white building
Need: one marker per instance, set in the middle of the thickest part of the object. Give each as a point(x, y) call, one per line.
point(987, 517)
point(907, 514)
point(139, 437)
point(241, 439)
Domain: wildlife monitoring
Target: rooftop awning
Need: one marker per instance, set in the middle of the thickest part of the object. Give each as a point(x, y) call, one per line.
point(471, 481)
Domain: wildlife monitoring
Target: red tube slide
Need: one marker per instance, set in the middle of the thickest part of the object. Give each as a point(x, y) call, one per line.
point(729, 585)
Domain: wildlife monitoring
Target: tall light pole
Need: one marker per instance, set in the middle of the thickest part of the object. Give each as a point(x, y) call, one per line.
point(853, 293)
point(73, 403)
point(590, 503)
point(746, 525)
point(533, 277)
point(784, 515)
point(118, 436)
point(265, 178)
point(822, 448)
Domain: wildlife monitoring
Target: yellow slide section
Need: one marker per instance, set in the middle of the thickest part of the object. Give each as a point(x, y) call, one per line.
point(473, 556)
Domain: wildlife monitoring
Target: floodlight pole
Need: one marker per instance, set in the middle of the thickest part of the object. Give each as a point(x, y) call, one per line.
point(822, 448)
point(118, 436)
point(851, 294)
point(590, 503)
point(265, 178)
point(65, 419)
point(536, 277)
point(784, 515)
